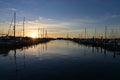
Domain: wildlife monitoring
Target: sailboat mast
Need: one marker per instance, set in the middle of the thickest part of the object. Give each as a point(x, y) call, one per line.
point(105, 32)
point(95, 33)
point(43, 32)
point(24, 27)
point(46, 33)
point(85, 33)
point(14, 22)
point(38, 32)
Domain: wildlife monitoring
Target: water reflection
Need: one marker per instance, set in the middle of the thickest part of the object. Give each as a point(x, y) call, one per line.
point(4, 51)
point(41, 49)
point(58, 60)
point(101, 50)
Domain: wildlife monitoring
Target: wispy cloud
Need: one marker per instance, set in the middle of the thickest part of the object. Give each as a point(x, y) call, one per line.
point(4, 2)
point(59, 24)
point(12, 9)
point(115, 16)
point(8, 9)
point(63, 25)
point(110, 16)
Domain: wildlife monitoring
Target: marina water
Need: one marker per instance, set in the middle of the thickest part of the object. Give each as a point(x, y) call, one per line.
point(59, 60)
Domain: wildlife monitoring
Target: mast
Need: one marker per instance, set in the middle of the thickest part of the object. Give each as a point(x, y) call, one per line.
point(95, 33)
point(67, 35)
point(46, 34)
point(10, 26)
point(85, 32)
point(79, 36)
point(24, 27)
point(38, 32)
point(43, 32)
point(14, 23)
point(105, 32)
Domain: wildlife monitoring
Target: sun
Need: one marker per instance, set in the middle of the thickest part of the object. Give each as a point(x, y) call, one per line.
point(33, 34)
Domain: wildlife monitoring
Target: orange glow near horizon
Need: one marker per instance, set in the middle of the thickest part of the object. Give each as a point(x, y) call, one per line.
point(33, 34)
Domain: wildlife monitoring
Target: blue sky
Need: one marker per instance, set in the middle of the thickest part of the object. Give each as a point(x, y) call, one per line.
point(62, 15)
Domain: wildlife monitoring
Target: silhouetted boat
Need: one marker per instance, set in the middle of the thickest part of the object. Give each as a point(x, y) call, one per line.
point(6, 40)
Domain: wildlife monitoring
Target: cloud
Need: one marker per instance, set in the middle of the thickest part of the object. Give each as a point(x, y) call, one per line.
point(54, 24)
point(115, 16)
point(109, 15)
point(4, 2)
point(72, 26)
point(58, 25)
point(45, 20)
point(12, 9)
point(8, 9)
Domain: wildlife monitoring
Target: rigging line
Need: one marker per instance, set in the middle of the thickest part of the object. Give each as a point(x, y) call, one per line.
point(10, 26)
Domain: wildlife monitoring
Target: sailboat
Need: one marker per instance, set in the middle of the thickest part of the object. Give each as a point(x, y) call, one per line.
point(7, 40)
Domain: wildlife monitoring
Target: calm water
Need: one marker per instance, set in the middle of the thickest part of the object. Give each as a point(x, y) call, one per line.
point(59, 59)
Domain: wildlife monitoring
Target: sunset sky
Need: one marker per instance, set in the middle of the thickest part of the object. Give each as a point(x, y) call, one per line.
point(61, 17)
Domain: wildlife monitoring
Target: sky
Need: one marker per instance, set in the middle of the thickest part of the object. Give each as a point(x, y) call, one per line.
point(62, 17)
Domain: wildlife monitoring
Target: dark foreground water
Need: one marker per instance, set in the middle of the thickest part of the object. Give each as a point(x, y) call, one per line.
point(59, 60)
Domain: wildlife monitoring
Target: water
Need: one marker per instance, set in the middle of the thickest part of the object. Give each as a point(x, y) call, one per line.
point(59, 60)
